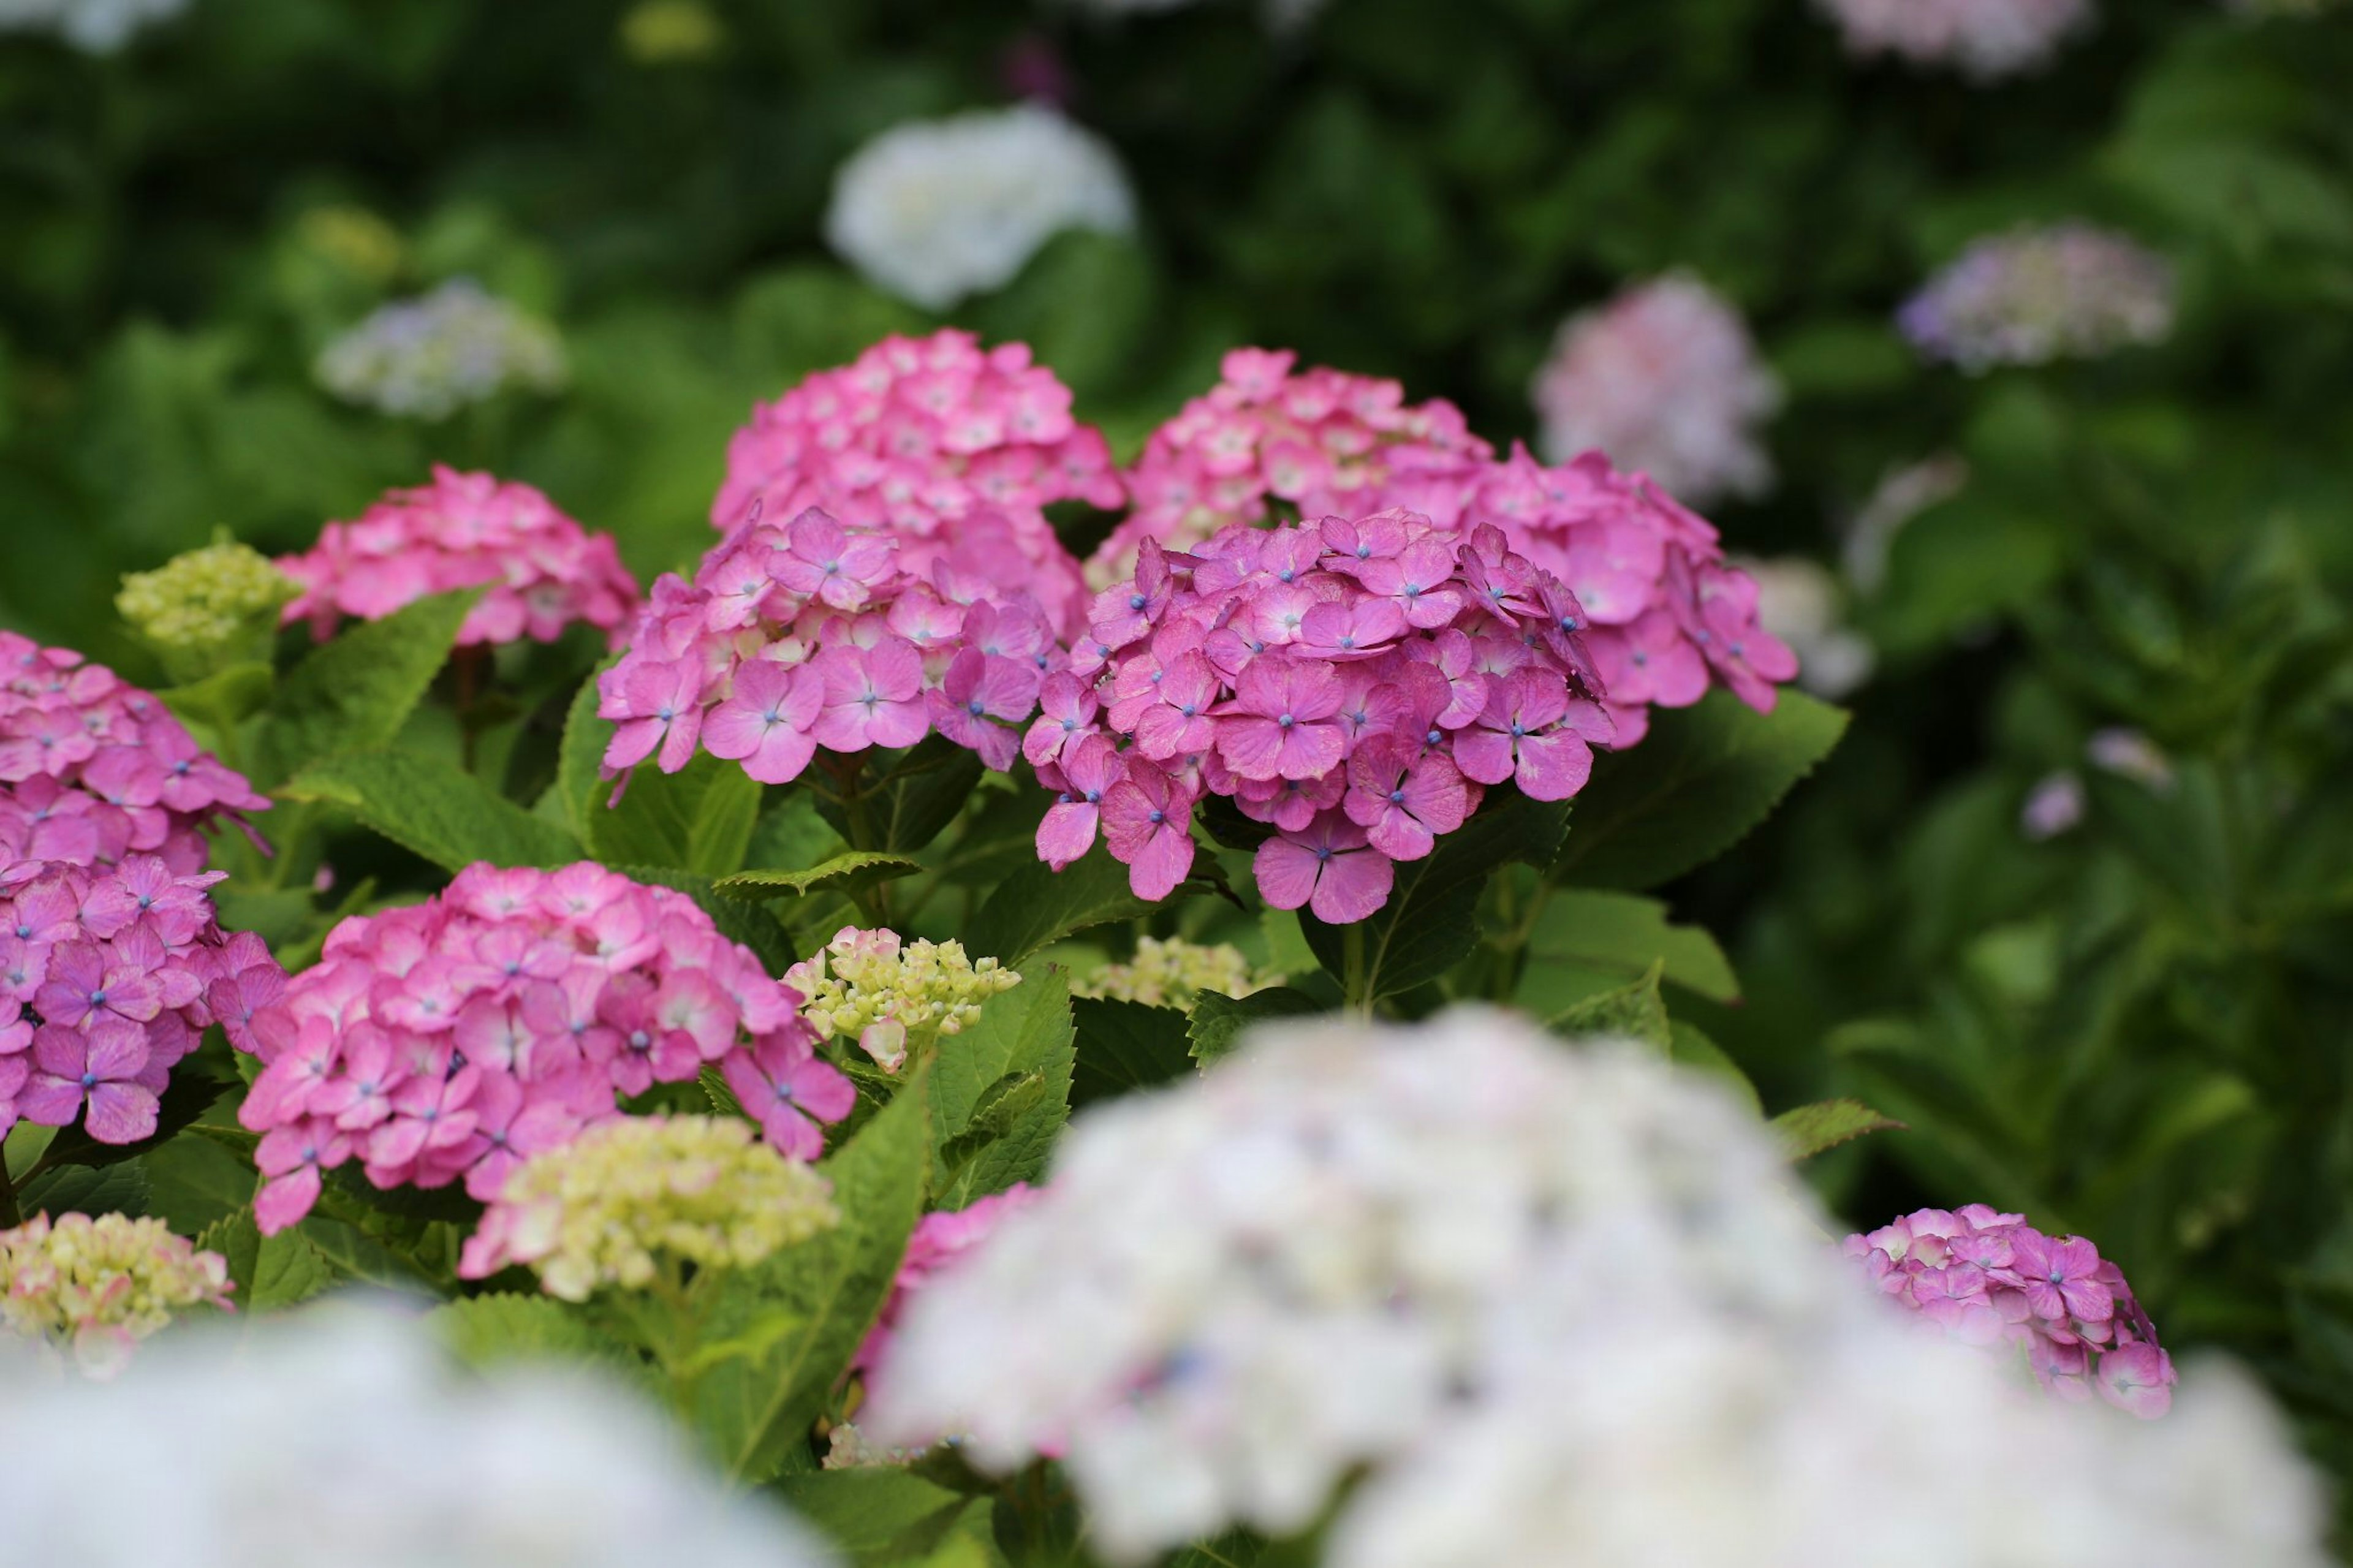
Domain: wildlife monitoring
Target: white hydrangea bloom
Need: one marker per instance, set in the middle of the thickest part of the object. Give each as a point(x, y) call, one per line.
point(430, 356)
point(95, 26)
point(1983, 39)
point(1800, 601)
point(1663, 378)
point(934, 210)
point(1557, 1305)
point(344, 1437)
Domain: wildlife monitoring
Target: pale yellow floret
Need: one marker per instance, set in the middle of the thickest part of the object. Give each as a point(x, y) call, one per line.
point(100, 1285)
point(1174, 972)
point(205, 608)
point(870, 987)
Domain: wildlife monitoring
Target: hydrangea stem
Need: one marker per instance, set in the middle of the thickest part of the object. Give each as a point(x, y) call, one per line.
point(1355, 980)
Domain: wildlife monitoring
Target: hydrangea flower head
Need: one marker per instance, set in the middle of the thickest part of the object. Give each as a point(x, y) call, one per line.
point(1535, 1305)
point(934, 210)
point(1317, 439)
point(206, 608)
point(1992, 1280)
point(1983, 39)
point(454, 1039)
point(2070, 290)
point(1355, 685)
point(1665, 380)
point(541, 572)
point(809, 636)
point(92, 769)
point(100, 1285)
point(109, 977)
point(93, 26)
point(1173, 973)
point(890, 995)
point(429, 357)
point(938, 1241)
point(607, 1209)
point(952, 450)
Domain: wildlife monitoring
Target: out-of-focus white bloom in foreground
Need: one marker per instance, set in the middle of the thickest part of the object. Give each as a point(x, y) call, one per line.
point(1800, 601)
point(936, 209)
point(94, 27)
point(1983, 39)
point(1665, 379)
point(430, 356)
point(1559, 1305)
point(344, 1437)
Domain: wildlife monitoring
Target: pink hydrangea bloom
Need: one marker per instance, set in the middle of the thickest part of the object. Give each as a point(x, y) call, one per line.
point(1984, 39)
point(543, 570)
point(109, 976)
point(1355, 684)
point(939, 1239)
point(1319, 439)
point(452, 1040)
point(93, 770)
point(806, 635)
point(1993, 1280)
point(937, 443)
point(1665, 380)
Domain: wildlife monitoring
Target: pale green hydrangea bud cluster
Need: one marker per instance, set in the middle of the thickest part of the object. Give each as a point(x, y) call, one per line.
point(1174, 972)
point(868, 987)
point(100, 1285)
point(206, 609)
point(605, 1208)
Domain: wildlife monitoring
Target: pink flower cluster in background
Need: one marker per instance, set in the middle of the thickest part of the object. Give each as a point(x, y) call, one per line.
point(808, 635)
point(544, 571)
point(1984, 39)
point(93, 769)
point(1663, 379)
point(1666, 614)
point(1320, 439)
point(923, 439)
point(109, 976)
point(456, 1037)
point(1355, 685)
point(939, 1239)
point(1993, 1280)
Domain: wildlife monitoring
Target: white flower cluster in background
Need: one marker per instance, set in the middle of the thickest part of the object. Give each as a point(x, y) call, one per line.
point(1665, 379)
point(344, 1437)
point(1983, 39)
point(95, 26)
point(1801, 602)
point(430, 356)
point(934, 210)
point(1553, 1305)
point(2061, 290)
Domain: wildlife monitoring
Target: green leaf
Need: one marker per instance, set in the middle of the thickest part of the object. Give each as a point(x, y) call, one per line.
point(1699, 782)
point(434, 810)
point(355, 1193)
point(185, 1099)
point(505, 1326)
point(1692, 1049)
point(270, 1270)
point(1586, 941)
point(357, 1255)
point(193, 1182)
point(1038, 906)
point(226, 696)
point(1002, 1106)
point(1024, 1031)
point(1123, 1046)
point(1807, 1130)
point(850, 874)
point(752, 1410)
point(904, 808)
point(876, 1517)
point(1430, 922)
point(355, 692)
point(1633, 1010)
point(119, 1188)
point(698, 819)
point(1216, 1024)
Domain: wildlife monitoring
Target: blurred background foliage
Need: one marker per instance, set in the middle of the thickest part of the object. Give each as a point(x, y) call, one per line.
point(2138, 1026)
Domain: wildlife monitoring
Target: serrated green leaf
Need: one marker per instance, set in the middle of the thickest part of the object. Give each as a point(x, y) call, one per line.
point(1038, 906)
point(698, 819)
point(1027, 1030)
point(1585, 940)
point(1807, 1130)
point(224, 697)
point(287, 1269)
point(350, 1186)
point(1633, 1010)
point(239, 1241)
point(1001, 1108)
point(1217, 1021)
point(905, 806)
point(434, 810)
point(1699, 782)
point(193, 1182)
point(1430, 922)
point(506, 1326)
point(119, 1188)
point(877, 1518)
point(185, 1099)
point(357, 1255)
point(1123, 1046)
point(355, 692)
point(849, 874)
point(750, 1411)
